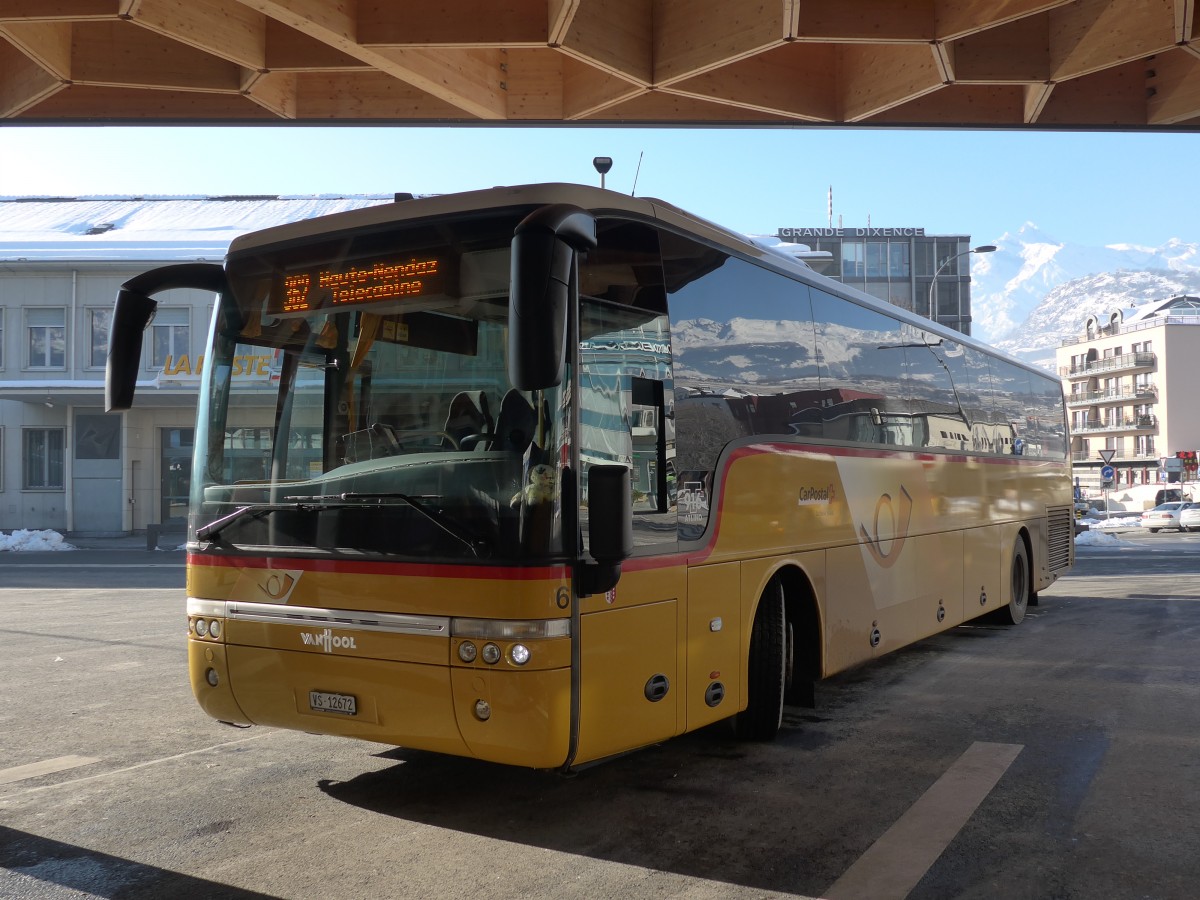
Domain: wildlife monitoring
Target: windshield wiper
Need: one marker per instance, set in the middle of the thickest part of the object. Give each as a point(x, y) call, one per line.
point(438, 518)
point(252, 511)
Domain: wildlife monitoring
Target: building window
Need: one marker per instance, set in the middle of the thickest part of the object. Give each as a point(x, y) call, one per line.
point(1, 338)
point(42, 458)
point(901, 294)
point(101, 319)
point(169, 339)
point(852, 260)
point(923, 261)
point(898, 260)
point(47, 338)
point(877, 259)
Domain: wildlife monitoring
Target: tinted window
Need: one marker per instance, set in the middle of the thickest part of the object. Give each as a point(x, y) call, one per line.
point(861, 366)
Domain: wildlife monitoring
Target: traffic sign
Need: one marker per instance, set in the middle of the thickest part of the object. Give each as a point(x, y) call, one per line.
point(1107, 473)
point(1107, 454)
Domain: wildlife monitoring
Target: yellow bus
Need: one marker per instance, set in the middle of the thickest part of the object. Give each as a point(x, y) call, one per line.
point(543, 474)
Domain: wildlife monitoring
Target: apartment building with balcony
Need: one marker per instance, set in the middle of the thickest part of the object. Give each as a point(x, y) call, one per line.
point(1131, 380)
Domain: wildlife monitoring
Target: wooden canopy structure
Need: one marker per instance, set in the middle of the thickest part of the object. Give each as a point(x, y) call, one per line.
point(977, 63)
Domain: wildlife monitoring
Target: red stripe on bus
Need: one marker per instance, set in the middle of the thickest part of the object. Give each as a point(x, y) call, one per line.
point(367, 567)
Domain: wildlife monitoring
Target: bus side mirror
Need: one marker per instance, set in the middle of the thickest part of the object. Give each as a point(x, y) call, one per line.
point(132, 313)
point(543, 285)
point(610, 527)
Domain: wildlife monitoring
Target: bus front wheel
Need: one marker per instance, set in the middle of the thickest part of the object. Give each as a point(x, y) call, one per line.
point(763, 714)
point(1019, 587)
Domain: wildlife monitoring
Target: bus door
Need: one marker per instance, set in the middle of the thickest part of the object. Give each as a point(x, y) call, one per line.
point(632, 678)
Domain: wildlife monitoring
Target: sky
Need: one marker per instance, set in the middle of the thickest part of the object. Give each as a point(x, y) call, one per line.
point(1090, 188)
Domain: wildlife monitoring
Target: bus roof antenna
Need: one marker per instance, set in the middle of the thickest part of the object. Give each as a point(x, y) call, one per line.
point(637, 172)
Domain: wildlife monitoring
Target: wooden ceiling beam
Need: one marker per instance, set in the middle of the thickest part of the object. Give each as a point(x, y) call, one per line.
point(273, 91)
point(615, 38)
point(453, 23)
point(224, 28)
point(692, 37)
point(120, 54)
point(59, 10)
point(956, 19)
point(455, 78)
point(46, 43)
point(367, 96)
point(289, 50)
point(23, 83)
point(1185, 20)
point(158, 107)
point(866, 21)
point(797, 81)
point(1174, 84)
point(873, 79)
point(589, 91)
point(651, 107)
point(535, 84)
point(996, 105)
point(559, 14)
point(1090, 35)
point(1012, 53)
point(1112, 97)
point(1036, 98)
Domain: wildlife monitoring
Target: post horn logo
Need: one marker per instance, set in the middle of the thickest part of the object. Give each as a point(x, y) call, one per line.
point(900, 514)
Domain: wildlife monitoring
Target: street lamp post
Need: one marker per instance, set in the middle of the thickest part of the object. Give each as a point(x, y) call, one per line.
point(983, 248)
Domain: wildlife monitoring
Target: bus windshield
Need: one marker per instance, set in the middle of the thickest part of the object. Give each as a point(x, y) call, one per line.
point(356, 400)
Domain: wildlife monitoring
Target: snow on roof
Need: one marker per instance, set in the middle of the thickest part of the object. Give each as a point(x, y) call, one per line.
point(151, 228)
point(1180, 306)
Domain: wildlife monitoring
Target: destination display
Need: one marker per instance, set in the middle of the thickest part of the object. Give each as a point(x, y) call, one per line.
point(364, 282)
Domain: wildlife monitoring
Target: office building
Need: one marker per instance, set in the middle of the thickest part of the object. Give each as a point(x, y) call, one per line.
point(899, 265)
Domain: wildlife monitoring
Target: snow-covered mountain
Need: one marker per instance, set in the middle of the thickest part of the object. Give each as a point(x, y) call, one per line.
point(1036, 290)
point(1063, 312)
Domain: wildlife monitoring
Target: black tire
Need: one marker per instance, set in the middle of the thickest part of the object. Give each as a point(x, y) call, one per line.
point(763, 715)
point(1020, 587)
point(1154, 531)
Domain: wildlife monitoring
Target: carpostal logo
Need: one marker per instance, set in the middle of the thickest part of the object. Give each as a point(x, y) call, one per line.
point(327, 640)
point(817, 496)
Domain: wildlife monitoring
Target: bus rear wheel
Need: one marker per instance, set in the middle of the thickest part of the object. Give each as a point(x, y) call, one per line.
point(763, 715)
point(1019, 586)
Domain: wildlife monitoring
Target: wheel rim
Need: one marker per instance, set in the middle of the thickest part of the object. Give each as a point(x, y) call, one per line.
point(1020, 581)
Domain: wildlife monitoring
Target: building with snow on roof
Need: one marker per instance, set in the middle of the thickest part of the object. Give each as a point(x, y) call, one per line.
point(1131, 380)
point(66, 464)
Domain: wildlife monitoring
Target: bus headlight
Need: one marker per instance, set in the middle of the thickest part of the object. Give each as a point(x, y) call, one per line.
point(491, 653)
point(201, 627)
point(483, 710)
point(211, 677)
point(519, 654)
point(214, 629)
point(467, 652)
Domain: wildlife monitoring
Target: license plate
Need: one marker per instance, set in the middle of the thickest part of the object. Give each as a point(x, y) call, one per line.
point(344, 704)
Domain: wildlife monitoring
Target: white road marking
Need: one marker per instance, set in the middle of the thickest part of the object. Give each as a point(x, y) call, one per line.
point(45, 767)
point(142, 765)
point(893, 865)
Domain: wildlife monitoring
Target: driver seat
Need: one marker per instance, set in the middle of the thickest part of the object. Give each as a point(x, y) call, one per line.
point(468, 415)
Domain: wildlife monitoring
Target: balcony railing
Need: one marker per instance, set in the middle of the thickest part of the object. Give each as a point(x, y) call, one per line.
point(1110, 364)
point(1142, 393)
point(1126, 328)
point(1133, 423)
point(1146, 455)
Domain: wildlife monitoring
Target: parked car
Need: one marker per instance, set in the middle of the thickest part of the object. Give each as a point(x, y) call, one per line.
point(1165, 515)
point(1189, 517)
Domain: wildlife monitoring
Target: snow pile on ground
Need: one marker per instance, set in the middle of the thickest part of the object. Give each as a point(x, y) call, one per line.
point(1096, 537)
point(23, 539)
point(1121, 521)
